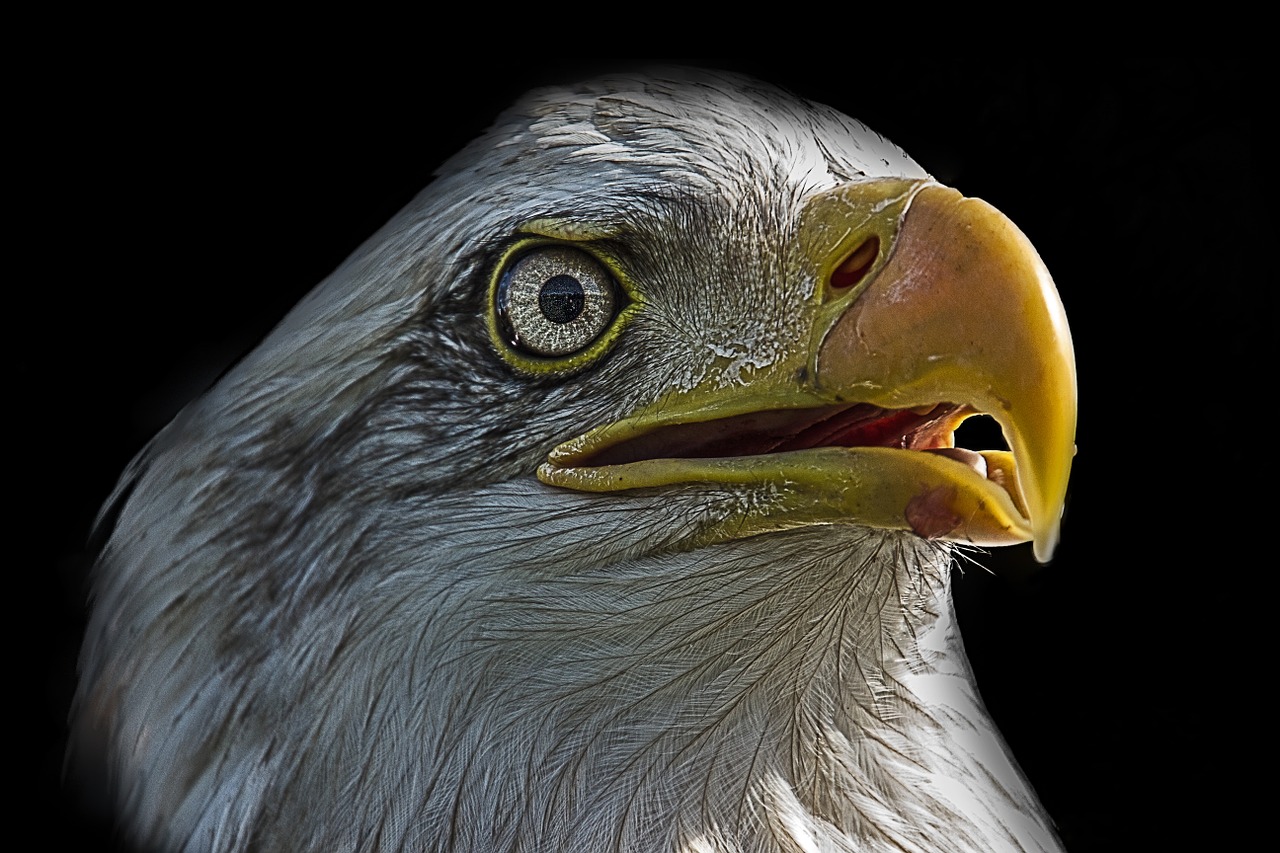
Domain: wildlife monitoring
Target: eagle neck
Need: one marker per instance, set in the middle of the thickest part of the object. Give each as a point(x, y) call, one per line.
point(810, 695)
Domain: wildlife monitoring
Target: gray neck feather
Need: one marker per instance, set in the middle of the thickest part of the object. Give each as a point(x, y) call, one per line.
point(555, 691)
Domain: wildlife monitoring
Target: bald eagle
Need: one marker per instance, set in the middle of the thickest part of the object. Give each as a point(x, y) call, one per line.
point(605, 499)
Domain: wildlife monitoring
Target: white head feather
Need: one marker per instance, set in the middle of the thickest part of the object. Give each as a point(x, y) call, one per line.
point(337, 611)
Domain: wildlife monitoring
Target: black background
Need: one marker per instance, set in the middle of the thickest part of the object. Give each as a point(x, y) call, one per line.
point(186, 200)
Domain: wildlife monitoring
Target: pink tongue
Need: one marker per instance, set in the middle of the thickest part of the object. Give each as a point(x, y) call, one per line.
point(963, 455)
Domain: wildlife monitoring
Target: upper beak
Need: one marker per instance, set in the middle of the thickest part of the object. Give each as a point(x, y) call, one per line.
point(964, 310)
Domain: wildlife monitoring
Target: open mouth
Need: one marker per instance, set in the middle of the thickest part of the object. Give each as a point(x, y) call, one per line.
point(782, 430)
point(784, 444)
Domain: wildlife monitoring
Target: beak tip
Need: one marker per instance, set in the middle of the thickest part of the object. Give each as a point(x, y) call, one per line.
point(1046, 541)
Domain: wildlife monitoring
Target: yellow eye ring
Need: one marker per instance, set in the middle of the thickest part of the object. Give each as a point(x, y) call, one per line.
point(555, 307)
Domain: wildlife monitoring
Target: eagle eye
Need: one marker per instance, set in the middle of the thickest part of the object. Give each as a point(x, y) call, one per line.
point(555, 300)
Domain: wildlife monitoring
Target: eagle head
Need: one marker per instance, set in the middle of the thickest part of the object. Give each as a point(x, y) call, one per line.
point(605, 499)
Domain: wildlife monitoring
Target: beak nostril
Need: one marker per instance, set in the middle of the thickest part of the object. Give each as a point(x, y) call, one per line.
point(852, 269)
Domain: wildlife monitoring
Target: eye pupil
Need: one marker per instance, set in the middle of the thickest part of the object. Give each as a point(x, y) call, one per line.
point(561, 299)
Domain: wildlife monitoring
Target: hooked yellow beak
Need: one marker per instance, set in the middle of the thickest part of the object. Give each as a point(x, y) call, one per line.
point(932, 307)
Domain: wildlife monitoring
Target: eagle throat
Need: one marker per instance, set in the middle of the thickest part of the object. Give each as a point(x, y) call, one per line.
point(757, 698)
